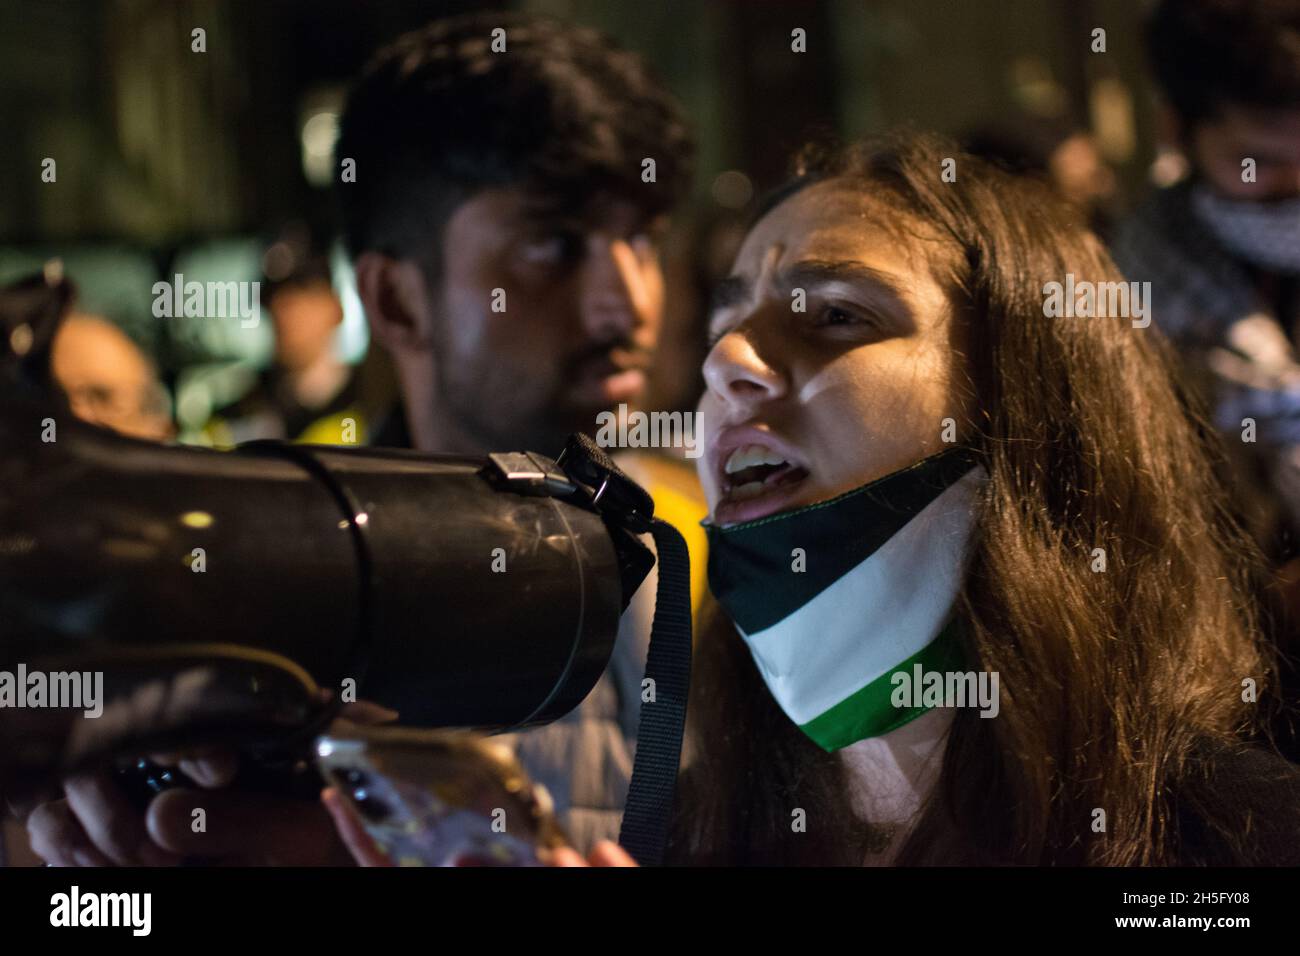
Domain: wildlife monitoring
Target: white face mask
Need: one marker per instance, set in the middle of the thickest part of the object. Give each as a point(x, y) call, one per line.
point(1265, 234)
point(845, 639)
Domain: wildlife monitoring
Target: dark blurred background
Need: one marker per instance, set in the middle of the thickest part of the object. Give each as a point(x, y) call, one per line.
point(173, 161)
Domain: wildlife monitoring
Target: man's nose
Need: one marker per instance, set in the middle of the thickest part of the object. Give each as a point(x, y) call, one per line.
point(616, 297)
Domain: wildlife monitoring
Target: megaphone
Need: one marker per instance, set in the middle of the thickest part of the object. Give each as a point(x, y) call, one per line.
point(218, 593)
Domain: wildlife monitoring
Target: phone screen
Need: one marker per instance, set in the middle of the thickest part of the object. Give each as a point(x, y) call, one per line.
point(440, 799)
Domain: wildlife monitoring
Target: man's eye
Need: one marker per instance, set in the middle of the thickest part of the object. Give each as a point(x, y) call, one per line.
point(645, 245)
point(550, 249)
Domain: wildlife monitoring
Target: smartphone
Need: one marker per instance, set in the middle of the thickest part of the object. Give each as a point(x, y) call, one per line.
point(439, 797)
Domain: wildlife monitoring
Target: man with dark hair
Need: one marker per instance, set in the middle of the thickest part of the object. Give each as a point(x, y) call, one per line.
point(508, 197)
point(1221, 248)
point(512, 176)
point(503, 183)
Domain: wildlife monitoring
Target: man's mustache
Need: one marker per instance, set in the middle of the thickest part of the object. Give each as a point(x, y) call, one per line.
point(620, 357)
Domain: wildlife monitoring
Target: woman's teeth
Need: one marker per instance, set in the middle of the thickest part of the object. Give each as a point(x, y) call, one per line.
point(748, 456)
point(748, 490)
point(752, 470)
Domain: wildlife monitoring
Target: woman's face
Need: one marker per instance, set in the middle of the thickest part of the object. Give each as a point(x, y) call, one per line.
point(834, 360)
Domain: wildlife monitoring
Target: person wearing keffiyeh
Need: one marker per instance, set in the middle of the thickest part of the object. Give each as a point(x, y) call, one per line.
point(1238, 347)
point(1221, 248)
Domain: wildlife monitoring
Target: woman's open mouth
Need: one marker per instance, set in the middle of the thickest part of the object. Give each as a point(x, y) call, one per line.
point(756, 482)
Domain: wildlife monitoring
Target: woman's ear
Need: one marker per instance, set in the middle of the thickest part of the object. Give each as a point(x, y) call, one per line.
point(396, 298)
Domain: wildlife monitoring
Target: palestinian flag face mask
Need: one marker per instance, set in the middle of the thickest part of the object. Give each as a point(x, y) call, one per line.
point(835, 598)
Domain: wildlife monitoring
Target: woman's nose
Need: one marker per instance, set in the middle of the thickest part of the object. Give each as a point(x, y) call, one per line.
point(738, 374)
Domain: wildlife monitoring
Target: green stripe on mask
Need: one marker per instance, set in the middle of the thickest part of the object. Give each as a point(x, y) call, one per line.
point(870, 712)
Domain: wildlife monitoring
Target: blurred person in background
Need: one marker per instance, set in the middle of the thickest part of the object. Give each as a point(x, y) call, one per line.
point(108, 379)
point(482, 178)
point(308, 393)
point(1221, 249)
point(1062, 153)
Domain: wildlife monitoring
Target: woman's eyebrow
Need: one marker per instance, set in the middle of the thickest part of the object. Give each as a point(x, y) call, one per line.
point(809, 273)
point(814, 272)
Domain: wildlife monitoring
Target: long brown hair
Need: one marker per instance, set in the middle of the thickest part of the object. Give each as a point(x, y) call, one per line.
point(1112, 682)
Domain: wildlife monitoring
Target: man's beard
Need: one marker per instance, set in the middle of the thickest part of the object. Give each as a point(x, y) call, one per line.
point(502, 416)
point(501, 409)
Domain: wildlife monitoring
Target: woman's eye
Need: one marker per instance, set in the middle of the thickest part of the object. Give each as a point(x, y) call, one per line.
point(845, 324)
point(833, 315)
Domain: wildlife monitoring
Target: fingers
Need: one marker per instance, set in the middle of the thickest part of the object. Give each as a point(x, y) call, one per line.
point(23, 803)
point(565, 856)
point(605, 853)
point(351, 832)
point(206, 767)
point(245, 828)
point(96, 825)
point(361, 711)
point(609, 853)
point(113, 825)
point(58, 838)
point(368, 712)
point(212, 771)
